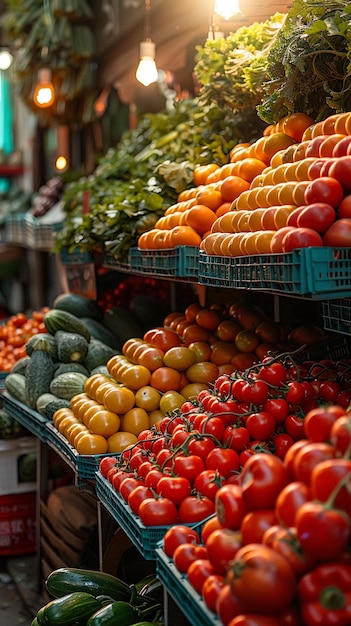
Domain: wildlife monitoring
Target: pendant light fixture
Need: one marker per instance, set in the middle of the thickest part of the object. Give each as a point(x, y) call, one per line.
point(227, 8)
point(44, 93)
point(146, 72)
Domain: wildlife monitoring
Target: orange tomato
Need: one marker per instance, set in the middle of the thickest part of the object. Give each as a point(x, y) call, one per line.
point(223, 352)
point(89, 443)
point(201, 349)
point(166, 379)
point(208, 318)
point(120, 441)
point(179, 357)
point(147, 398)
point(135, 376)
point(202, 372)
point(135, 420)
point(104, 423)
point(194, 332)
point(118, 399)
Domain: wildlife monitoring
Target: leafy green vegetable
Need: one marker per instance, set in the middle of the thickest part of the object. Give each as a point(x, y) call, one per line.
point(309, 65)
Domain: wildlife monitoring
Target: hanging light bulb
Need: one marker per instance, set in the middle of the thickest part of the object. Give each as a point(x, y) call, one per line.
point(62, 156)
point(147, 71)
point(227, 8)
point(5, 59)
point(44, 94)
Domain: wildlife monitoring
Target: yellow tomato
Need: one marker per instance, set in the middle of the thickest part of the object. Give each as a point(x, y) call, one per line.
point(135, 420)
point(120, 441)
point(147, 398)
point(90, 443)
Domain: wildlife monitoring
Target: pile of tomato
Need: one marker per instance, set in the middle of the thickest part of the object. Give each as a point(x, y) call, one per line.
point(14, 334)
point(277, 550)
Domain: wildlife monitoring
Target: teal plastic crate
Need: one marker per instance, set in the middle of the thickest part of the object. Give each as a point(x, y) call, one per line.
point(281, 273)
point(85, 465)
point(76, 257)
point(145, 538)
point(188, 261)
point(337, 315)
point(328, 271)
point(159, 262)
point(184, 595)
point(33, 421)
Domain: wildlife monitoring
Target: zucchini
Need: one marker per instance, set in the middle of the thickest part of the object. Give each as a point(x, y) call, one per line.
point(68, 579)
point(117, 613)
point(16, 386)
point(33, 342)
point(78, 305)
point(68, 385)
point(71, 347)
point(55, 320)
point(39, 372)
point(73, 609)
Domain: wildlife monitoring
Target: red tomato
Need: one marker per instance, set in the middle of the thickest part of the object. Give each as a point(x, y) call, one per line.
point(127, 485)
point(263, 477)
point(328, 476)
point(187, 553)
point(208, 482)
point(288, 502)
point(307, 458)
point(107, 463)
point(282, 443)
point(323, 532)
point(178, 535)
point(301, 238)
point(211, 589)
point(341, 171)
point(262, 578)
point(294, 426)
point(338, 235)
point(152, 478)
point(261, 425)
point(222, 545)
point(286, 542)
point(176, 488)
point(201, 446)
point(344, 208)
point(188, 466)
point(253, 619)
point(230, 506)
point(255, 524)
point(255, 392)
point(324, 189)
point(227, 605)
point(198, 572)
point(236, 437)
point(158, 512)
point(273, 373)
point(136, 497)
point(340, 434)
point(225, 460)
point(195, 509)
point(318, 216)
point(318, 422)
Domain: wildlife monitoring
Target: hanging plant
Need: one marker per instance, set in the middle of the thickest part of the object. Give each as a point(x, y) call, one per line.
point(57, 35)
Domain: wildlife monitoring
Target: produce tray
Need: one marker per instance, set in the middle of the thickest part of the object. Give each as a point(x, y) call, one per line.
point(31, 420)
point(333, 348)
point(182, 261)
point(85, 465)
point(114, 263)
point(188, 600)
point(337, 315)
point(316, 271)
point(145, 538)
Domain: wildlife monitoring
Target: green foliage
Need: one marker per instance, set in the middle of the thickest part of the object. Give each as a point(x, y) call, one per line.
point(134, 183)
point(309, 65)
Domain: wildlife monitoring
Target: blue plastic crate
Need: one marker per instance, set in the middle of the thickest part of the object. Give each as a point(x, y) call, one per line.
point(145, 538)
point(85, 465)
point(188, 261)
point(281, 273)
point(188, 600)
point(160, 262)
point(76, 257)
point(31, 420)
point(328, 271)
point(337, 315)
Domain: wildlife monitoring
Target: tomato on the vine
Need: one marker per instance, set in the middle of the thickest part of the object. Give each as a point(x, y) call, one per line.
point(261, 425)
point(225, 460)
point(195, 509)
point(188, 465)
point(175, 488)
point(236, 437)
point(208, 482)
point(274, 374)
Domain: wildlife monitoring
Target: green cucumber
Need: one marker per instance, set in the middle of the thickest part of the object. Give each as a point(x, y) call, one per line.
point(50, 339)
point(68, 579)
point(121, 613)
point(55, 320)
point(73, 609)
